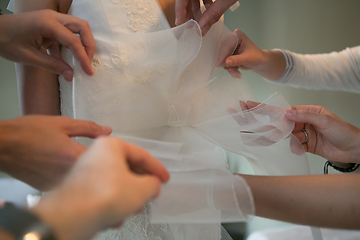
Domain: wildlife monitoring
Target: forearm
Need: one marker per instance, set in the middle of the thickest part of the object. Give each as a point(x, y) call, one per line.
point(320, 200)
point(38, 91)
point(273, 65)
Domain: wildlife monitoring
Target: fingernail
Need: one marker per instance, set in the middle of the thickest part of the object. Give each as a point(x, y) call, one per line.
point(290, 112)
point(238, 74)
point(176, 21)
point(229, 63)
point(107, 129)
point(68, 75)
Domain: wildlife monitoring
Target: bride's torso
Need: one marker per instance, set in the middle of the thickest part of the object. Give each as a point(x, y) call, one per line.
point(110, 22)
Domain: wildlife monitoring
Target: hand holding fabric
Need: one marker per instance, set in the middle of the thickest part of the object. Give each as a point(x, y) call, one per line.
point(186, 10)
point(110, 181)
point(328, 135)
point(39, 150)
point(25, 35)
point(267, 63)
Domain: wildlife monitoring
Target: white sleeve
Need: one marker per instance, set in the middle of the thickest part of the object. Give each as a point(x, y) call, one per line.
point(337, 71)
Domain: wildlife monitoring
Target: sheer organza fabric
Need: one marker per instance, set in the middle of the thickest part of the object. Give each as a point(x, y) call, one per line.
point(162, 89)
point(167, 96)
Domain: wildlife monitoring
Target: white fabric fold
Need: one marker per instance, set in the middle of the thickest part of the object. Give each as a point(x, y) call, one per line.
point(180, 107)
point(162, 91)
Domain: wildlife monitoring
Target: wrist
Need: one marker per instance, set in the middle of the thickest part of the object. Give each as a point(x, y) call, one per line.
point(272, 65)
point(71, 215)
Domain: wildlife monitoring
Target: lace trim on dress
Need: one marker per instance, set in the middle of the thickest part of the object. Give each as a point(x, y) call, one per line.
point(140, 12)
point(137, 227)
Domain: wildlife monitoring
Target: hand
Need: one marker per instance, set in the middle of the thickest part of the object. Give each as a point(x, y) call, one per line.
point(328, 135)
point(110, 181)
point(39, 150)
point(260, 132)
point(248, 56)
point(186, 10)
point(24, 35)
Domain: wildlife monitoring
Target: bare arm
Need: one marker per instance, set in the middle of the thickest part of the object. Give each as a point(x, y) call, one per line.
point(319, 200)
point(38, 88)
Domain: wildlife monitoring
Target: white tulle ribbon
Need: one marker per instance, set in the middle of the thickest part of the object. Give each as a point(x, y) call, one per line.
point(163, 91)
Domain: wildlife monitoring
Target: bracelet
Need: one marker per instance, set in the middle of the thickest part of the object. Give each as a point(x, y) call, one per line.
point(351, 168)
point(24, 225)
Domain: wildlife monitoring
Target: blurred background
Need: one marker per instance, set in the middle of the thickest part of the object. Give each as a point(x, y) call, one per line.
point(302, 26)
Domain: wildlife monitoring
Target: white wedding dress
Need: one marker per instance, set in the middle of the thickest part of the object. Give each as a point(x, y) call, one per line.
point(160, 88)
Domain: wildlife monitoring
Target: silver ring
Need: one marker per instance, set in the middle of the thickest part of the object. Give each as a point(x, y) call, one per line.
point(306, 136)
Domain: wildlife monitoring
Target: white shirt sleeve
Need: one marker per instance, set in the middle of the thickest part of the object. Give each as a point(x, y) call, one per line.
point(337, 71)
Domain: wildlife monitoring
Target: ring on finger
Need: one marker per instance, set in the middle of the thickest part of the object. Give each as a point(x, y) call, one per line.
point(306, 136)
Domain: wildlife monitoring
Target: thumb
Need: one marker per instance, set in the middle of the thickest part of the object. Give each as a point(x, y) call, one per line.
point(50, 63)
point(304, 116)
point(235, 60)
point(213, 14)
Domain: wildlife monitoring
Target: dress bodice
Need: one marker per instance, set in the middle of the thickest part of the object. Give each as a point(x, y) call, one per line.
point(110, 21)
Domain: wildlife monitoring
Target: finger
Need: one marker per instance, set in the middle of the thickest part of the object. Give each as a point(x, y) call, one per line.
point(249, 117)
point(298, 127)
point(181, 11)
point(150, 187)
point(141, 159)
point(189, 11)
point(81, 128)
point(213, 14)
point(67, 38)
point(78, 149)
point(296, 146)
point(207, 3)
point(251, 104)
point(243, 106)
point(300, 136)
point(195, 10)
point(238, 118)
point(306, 116)
point(54, 50)
point(37, 58)
point(235, 73)
point(82, 28)
point(236, 60)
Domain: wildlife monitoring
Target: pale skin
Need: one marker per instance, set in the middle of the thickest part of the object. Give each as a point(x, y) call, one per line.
point(316, 199)
point(120, 179)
